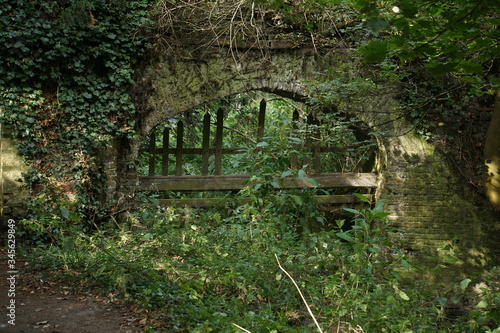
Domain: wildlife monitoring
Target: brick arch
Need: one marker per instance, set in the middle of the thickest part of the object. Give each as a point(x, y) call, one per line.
point(201, 83)
point(424, 194)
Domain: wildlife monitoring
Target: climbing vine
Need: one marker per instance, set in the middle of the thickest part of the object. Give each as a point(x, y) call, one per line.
point(66, 71)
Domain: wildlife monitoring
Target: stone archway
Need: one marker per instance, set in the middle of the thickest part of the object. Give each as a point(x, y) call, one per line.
point(424, 195)
point(179, 83)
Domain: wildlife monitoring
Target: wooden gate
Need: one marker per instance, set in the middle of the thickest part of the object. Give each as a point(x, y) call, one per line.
point(214, 180)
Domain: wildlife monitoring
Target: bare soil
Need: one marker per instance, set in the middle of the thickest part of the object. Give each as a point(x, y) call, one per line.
point(56, 307)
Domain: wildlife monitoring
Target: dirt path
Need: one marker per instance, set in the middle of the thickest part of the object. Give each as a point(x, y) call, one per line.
point(43, 306)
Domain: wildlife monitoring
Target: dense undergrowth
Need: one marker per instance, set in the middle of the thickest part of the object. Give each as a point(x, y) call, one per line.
point(213, 270)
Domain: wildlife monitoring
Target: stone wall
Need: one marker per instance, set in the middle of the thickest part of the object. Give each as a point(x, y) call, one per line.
point(11, 168)
point(440, 216)
point(424, 195)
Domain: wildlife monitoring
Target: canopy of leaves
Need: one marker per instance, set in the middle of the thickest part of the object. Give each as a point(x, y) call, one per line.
point(452, 36)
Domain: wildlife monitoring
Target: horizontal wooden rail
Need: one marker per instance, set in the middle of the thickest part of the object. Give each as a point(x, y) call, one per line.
point(238, 182)
point(235, 151)
point(211, 202)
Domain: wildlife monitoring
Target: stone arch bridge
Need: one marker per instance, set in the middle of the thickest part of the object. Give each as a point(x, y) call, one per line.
point(425, 196)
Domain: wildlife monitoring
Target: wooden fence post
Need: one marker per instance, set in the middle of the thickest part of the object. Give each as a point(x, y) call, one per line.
point(294, 158)
point(165, 151)
point(262, 120)
point(218, 141)
point(178, 151)
point(308, 141)
point(316, 136)
point(152, 153)
point(205, 145)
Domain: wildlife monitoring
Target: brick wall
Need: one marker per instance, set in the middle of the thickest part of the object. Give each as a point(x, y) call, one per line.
point(434, 208)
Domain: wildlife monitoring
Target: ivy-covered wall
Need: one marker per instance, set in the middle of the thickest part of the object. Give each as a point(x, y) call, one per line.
point(66, 72)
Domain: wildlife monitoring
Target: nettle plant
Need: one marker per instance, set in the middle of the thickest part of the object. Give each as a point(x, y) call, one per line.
point(66, 73)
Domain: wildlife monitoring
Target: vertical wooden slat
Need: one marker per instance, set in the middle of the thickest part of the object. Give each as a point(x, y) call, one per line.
point(152, 153)
point(294, 163)
point(309, 144)
point(178, 154)
point(165, 152)
point(262, 120)
point(317, 146)
point(205, 144)
point(218, 141)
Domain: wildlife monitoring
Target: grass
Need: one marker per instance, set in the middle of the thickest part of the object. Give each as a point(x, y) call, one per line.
point(254, 268)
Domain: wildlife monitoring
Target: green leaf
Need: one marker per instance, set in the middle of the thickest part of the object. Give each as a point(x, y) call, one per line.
point(297, 199)
point(403, 295)
point(64, 212)
point(361, 197)
point(408, 8)
point(405, 264)
point(275, 184)
point(374, 51)
point(311, 181)
point(74, 217)
point(379, 206)
point(147, 236)
point(464, 284)
point(482, 305)
point(470, 67)
point(345, 236)
point(450, 259)
point(442, 301)
point(380, 214)
point(286, 173)
point(437, 69)
point(354, 211)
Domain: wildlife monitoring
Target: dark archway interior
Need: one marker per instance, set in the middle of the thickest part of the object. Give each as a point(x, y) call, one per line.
point(346, 143)
point(265, 136)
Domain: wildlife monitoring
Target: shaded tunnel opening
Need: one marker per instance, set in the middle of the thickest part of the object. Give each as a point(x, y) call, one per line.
point(211, 153)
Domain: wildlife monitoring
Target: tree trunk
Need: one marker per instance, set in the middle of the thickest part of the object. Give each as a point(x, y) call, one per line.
point(491, 170)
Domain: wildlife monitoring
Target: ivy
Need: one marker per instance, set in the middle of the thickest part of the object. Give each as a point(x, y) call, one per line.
point(66, 71)
point(452, 36)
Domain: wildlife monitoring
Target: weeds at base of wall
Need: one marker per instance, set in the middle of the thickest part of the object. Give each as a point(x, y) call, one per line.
point(203, 270)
